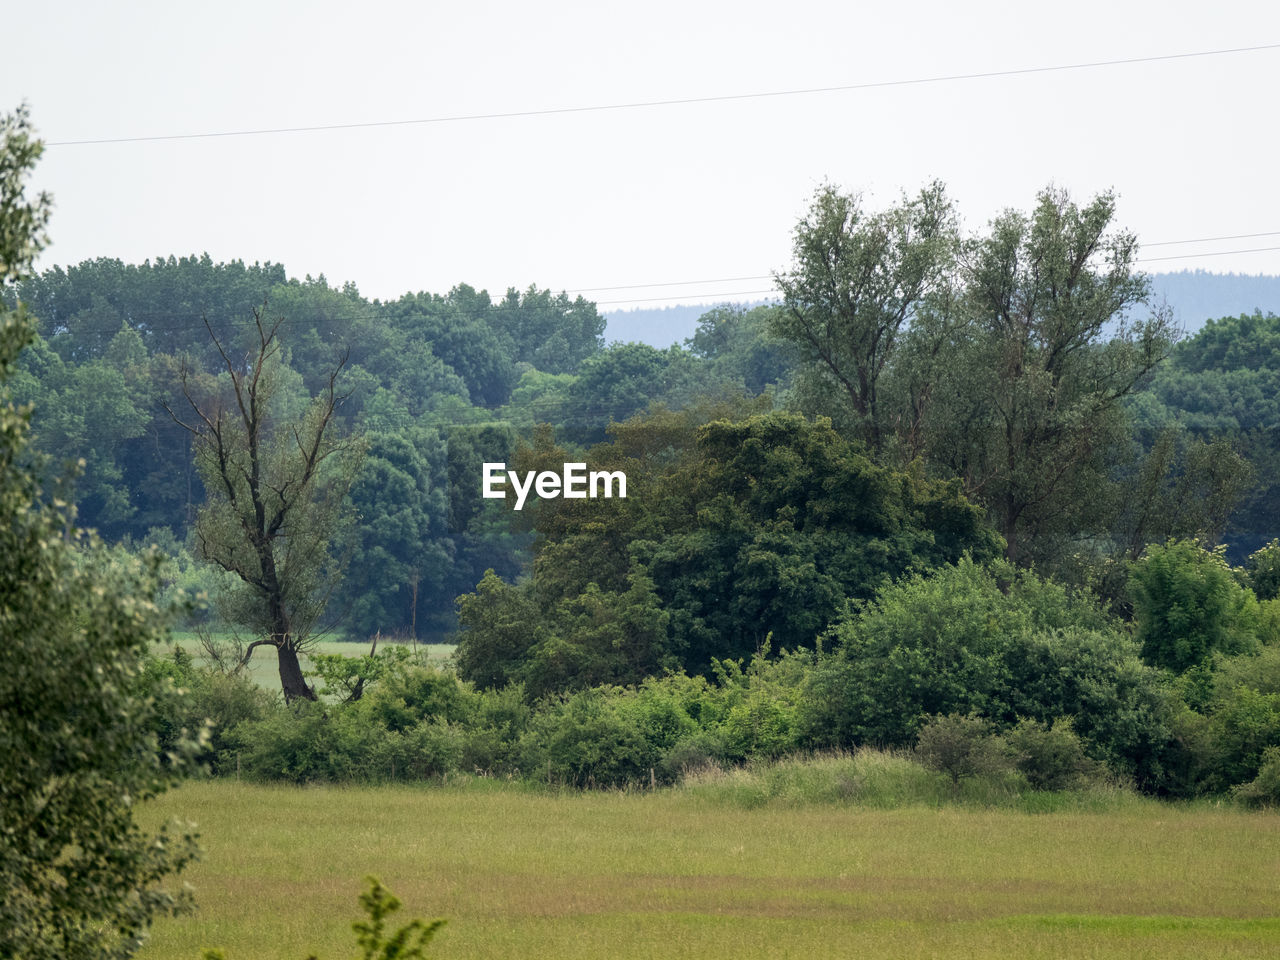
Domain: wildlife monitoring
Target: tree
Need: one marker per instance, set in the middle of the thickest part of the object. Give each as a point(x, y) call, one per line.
point(1224, 383)
point(276, 486)
point(1188, 606)
point(77, 750)
point(1030, 411)
point(732, 532)
point(856, 279)
point(399, 570)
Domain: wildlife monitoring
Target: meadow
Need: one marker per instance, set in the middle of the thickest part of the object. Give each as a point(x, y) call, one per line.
point(722, 867)
point(265, 672)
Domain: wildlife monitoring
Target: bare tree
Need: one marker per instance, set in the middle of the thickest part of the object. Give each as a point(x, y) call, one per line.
point(276, 488)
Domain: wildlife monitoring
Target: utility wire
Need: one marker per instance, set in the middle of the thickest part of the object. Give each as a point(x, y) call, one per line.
point(1216, 253)
point(726, 98)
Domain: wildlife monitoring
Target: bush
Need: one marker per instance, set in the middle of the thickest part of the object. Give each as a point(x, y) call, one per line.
point(1263, 568)
point(1051, 757)
point(193, 698)
point(1264, 790)
point(993, 642)
point(961, 747)
point(1188, 605)
point(585, 740)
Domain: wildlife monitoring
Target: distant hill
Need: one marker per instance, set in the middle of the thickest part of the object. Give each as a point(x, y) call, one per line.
point(661, 326)
point(1195, 295)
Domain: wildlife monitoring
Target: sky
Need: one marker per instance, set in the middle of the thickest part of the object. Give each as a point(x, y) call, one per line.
point(629, 206)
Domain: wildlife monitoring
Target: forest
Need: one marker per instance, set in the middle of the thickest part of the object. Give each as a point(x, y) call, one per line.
point(971, 496)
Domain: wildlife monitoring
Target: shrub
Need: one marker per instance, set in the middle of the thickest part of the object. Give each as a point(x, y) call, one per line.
point(1264, 789)
point(1263, 568)
point(961, 747)
point(1188, 605)
point(585, 740)
point(1051, 757)
point(996, 643)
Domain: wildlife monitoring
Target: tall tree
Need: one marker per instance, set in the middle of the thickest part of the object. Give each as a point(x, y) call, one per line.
point(1031, 407)
point(77, 751)
point(856, 279)
point(276, 486)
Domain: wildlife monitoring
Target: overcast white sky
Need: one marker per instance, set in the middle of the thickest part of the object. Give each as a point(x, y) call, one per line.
point(637, 196)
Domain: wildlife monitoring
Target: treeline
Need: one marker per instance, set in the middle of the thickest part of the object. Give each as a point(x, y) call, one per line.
point(435, 385)
point(949, 479)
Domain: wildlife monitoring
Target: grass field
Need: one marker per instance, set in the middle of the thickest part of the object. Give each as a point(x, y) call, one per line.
point(681, 874)
point(264, 670)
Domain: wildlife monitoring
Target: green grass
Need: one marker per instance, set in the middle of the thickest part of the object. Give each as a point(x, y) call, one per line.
point(690, 872)
point(888, 780)
point(265, 672)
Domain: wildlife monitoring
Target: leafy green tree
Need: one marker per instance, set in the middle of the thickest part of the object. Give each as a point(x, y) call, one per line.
point(961, 747)
point(1031, 411)
point(620, 382)
point(77, 751)
point(1188, 605)
point(1263, 568)
point(731, 531)
point(1180, 487)
point(739, 350)
point(467, 344)
point(88, 412)
point(1223, 384)
point(856, 280)
point(277, 482)
point(81, 307)
point(552, 332)
point(400, 570)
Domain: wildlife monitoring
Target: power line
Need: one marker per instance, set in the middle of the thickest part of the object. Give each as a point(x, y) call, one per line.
point(732, 293)
point(1217, 253)
point(683, 101)
point(1237, 236)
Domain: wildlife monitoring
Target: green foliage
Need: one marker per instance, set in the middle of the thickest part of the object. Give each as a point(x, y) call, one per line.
point(961, 747)
point(1028, 403)
point(732, 530)
point(1263, 567)
point(500, 624)
point(1188, 606)
point(620, 382)
point(1224, 383)
point(856, 279)
point(1264, 789)
point(193, 699)
point(22, 220)
point(739, 351)
point(996, 643)
point(407, 943)
point(599, 637)
point(1050, 756)
point(349, 677)
point(77, 751)
point(552, 332)
point(276, 480)
point(400, 568)
point(588, 739)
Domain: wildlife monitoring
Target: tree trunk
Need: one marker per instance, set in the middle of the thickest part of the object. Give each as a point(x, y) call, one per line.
point(292, 682)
